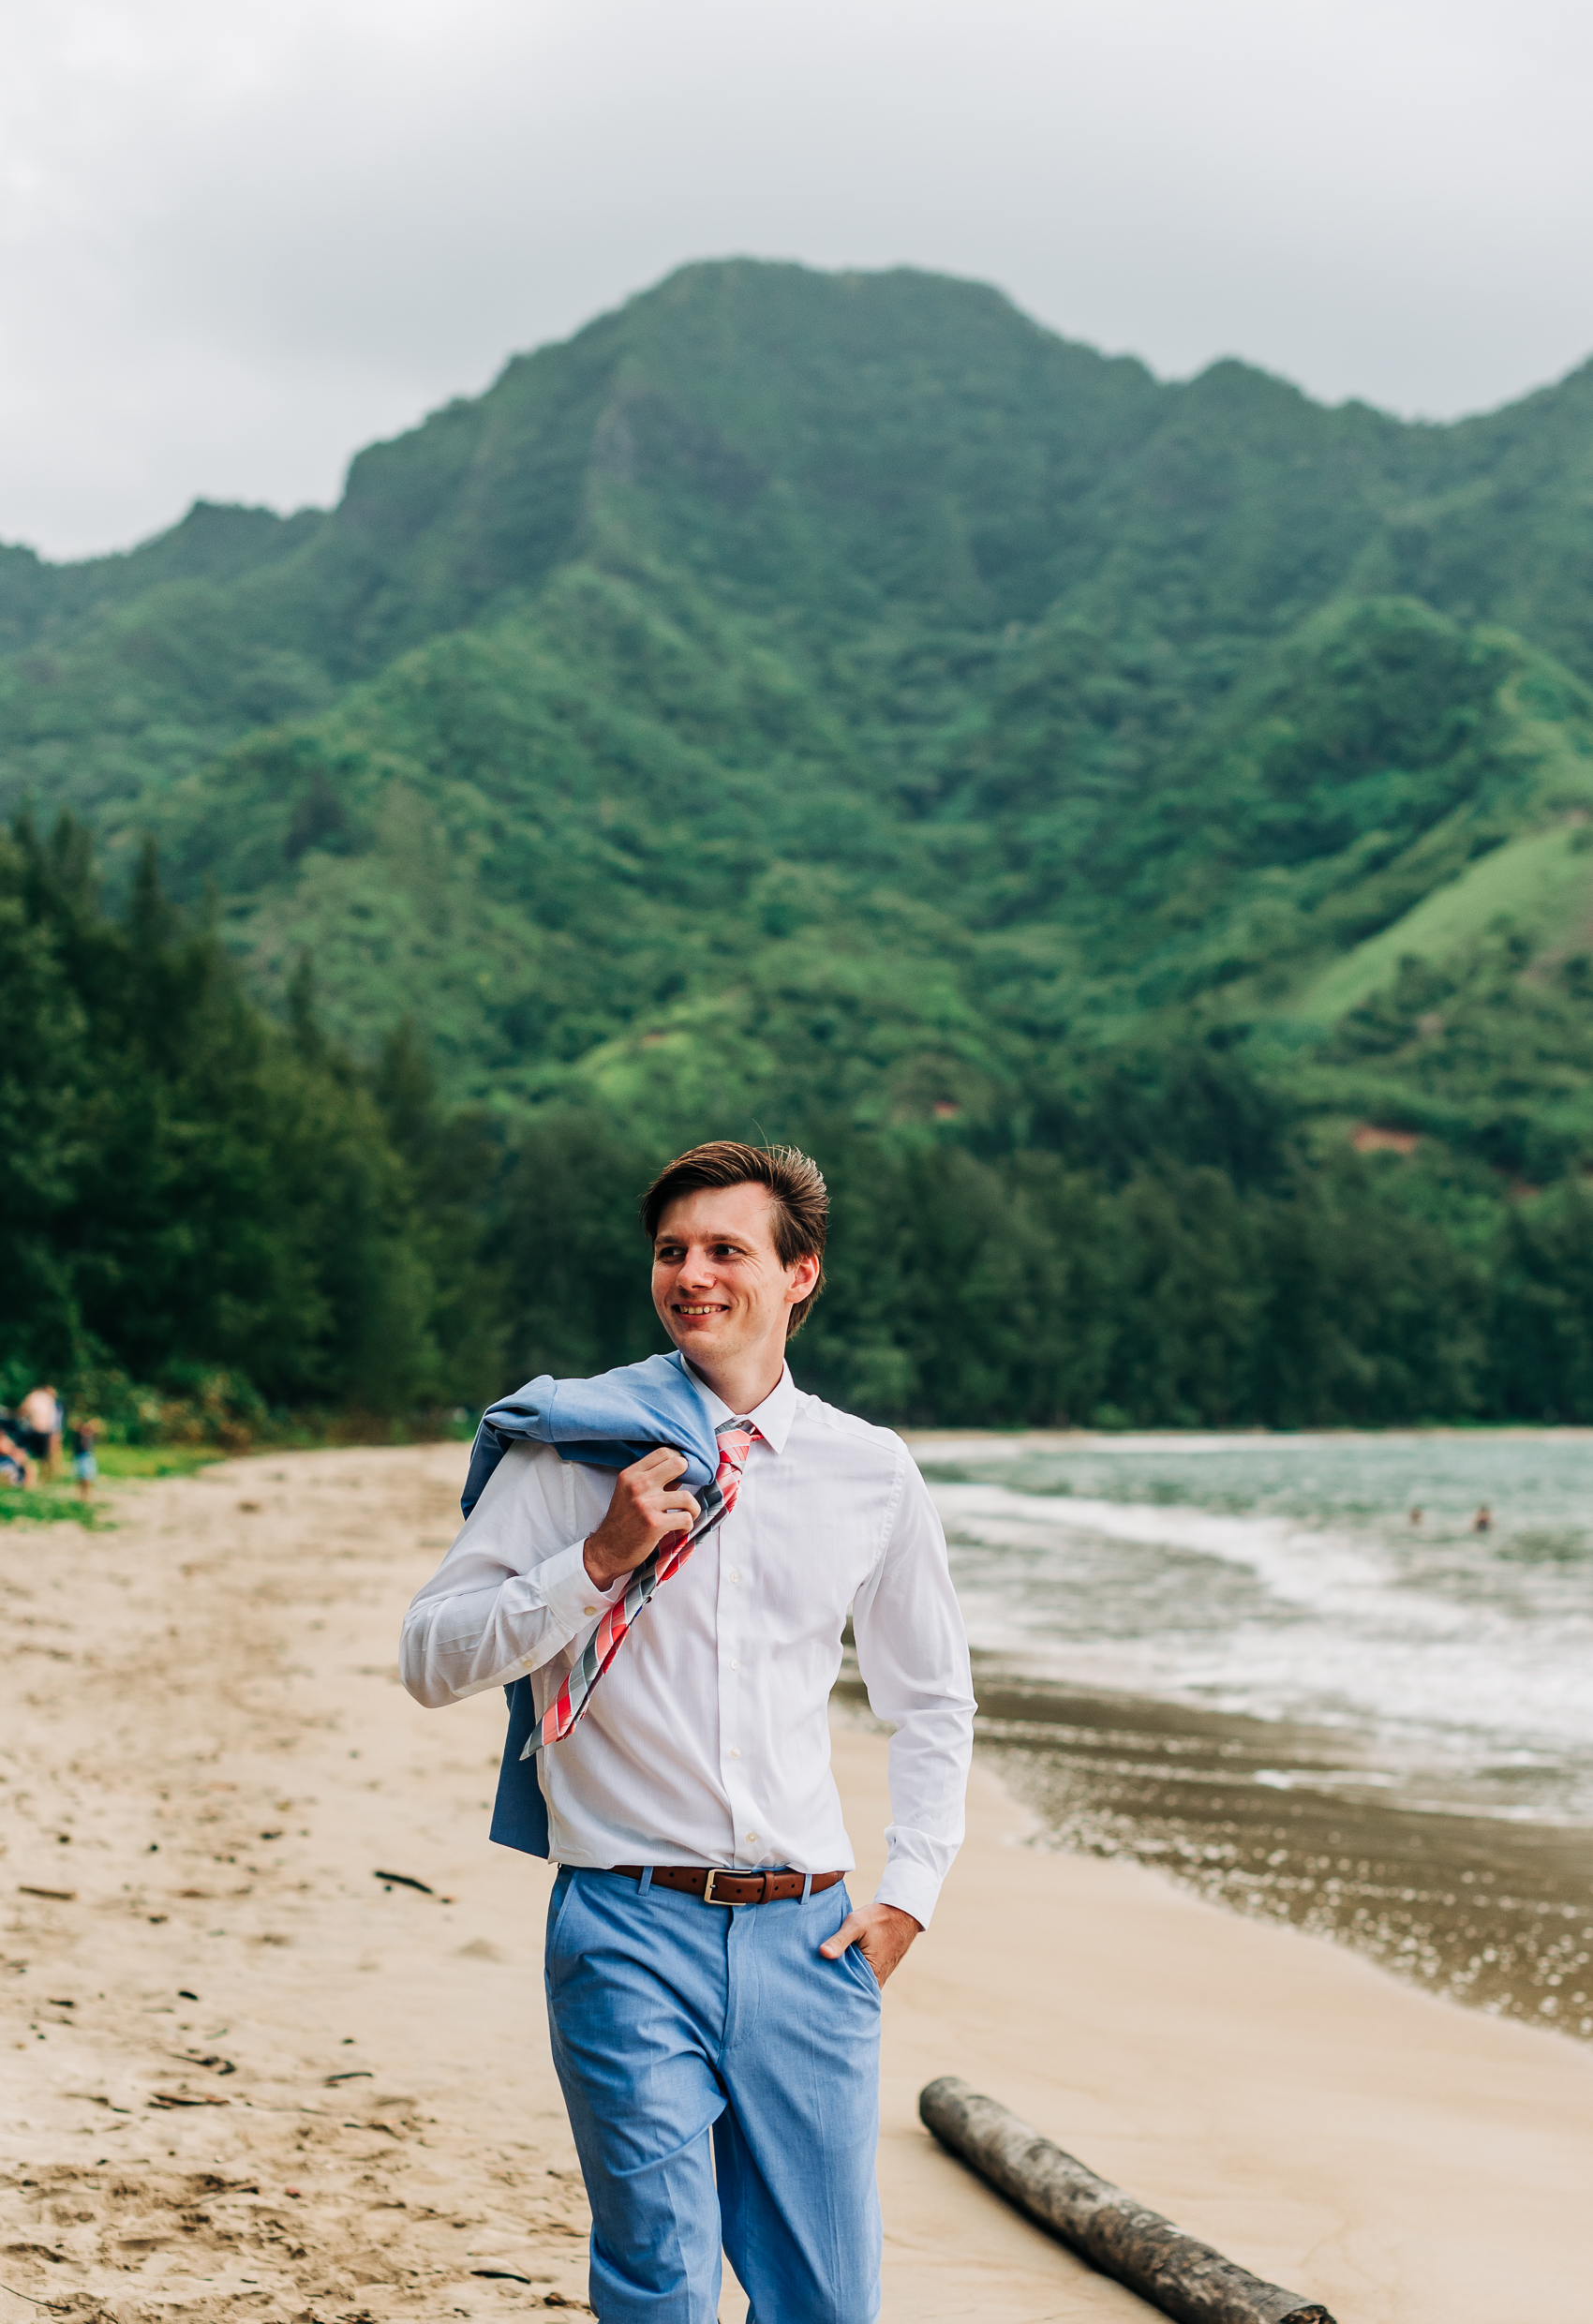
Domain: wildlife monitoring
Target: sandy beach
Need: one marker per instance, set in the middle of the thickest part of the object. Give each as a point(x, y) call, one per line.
point(247, 2076)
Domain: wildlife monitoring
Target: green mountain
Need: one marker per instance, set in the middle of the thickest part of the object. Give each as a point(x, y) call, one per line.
point(839, 687)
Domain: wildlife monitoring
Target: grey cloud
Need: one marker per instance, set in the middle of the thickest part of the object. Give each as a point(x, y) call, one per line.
point(236, 243)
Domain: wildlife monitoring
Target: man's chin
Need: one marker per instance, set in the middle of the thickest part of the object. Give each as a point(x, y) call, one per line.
point(709, 1337)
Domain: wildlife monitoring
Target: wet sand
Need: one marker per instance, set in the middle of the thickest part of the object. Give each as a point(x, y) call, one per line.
point(246, 2075)
point(1268, 1819)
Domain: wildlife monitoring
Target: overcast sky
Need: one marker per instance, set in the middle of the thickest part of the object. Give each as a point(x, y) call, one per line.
point(237, 240)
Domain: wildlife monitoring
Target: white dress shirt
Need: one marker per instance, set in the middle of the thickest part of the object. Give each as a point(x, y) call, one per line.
point(707, 1741)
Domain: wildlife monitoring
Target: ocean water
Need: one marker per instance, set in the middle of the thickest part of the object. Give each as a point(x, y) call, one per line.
point(1283, 1579)
point(1239, 1660)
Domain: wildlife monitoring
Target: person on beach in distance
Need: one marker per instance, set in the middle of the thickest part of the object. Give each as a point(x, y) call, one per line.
point(85, 1466)
point(39, 1423)
point(16, 1464)
point(713, 1994)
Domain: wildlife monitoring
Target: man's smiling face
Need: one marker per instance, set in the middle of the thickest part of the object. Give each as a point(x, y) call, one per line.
point(720, 1287)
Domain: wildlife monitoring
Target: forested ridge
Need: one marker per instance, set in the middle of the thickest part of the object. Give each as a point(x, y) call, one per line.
point(828, 707)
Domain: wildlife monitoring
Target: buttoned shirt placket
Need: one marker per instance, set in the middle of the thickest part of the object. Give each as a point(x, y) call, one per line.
point(736, 1538)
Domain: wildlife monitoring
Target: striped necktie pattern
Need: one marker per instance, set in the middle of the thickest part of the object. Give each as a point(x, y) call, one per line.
point(735, 1440)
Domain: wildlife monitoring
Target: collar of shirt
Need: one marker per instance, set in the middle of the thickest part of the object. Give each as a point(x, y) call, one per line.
point(772, 1419)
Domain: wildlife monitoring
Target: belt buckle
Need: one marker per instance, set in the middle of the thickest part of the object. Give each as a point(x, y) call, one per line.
point(708, 1897)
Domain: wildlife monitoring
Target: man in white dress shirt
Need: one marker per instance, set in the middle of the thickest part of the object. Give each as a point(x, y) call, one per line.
point(713, 1995)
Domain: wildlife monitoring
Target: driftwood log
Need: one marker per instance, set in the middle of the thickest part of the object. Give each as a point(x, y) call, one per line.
point(1139, 2248)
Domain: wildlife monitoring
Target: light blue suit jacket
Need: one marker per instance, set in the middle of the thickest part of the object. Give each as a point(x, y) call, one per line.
point(604, 1422)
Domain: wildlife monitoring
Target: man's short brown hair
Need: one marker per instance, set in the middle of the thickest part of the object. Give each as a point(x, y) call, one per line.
point(797, 1191)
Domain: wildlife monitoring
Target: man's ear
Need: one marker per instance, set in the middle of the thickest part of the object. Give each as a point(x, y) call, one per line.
point(804, 1274)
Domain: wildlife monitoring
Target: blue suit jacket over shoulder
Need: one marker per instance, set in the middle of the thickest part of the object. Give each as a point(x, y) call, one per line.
point(604, 1422)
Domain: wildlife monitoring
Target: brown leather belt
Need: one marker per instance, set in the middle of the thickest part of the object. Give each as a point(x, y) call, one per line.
point(717, 1888)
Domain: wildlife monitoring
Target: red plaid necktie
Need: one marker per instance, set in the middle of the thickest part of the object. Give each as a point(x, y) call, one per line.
point(735, 1440)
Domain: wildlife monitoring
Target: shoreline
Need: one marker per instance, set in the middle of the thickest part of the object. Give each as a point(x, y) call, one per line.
point(249, 2076)
point(1494, 1912)
point(1292, 1677)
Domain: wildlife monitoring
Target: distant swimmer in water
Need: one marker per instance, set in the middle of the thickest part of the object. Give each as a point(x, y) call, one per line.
point(1483, 1520)
point(1416, 1514)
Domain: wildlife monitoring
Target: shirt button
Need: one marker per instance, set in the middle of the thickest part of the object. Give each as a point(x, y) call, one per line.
point(589, 1609)
point(734, 1753)
point(734, 1663)
point(752, 1839)
point(735, 1577)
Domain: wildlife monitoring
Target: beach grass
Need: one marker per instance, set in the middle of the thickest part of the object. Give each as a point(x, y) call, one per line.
point(57, 1502)
point(156, 1460)
point(46, 1504)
